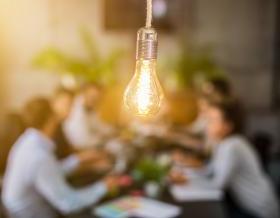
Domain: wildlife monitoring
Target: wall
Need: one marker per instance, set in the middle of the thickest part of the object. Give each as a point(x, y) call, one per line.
point(29, 25)
point(24, 26)
point(241, 31)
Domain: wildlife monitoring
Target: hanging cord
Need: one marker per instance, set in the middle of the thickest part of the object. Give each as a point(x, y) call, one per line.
point(149, 13)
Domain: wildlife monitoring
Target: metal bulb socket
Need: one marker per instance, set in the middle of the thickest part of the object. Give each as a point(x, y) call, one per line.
point(147, 44)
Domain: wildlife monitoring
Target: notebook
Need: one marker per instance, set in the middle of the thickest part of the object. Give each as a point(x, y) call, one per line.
point(137, 206)
point(191, 193)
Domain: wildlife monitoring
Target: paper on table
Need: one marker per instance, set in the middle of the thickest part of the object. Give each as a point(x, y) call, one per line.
point(191, 193)
point(156, 209)
point(120, 208)
point(137, 206)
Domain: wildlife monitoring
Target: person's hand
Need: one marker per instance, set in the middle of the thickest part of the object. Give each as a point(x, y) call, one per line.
point(125, 181)
point(186, 160)
point(112, 182)
point(188, 141)
point(177, 178)
point(178, 157)
point(102, 165)
point(86, 156)
point(90, 155)
point(192, 161)
point(171, 135)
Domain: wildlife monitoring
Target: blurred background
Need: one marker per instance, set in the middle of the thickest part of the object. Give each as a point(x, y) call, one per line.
point(238, 39)
point(46, 44)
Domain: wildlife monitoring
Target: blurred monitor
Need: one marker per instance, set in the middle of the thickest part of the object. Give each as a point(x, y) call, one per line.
point(131, 14)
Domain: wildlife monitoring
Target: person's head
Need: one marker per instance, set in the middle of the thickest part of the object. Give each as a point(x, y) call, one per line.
point(215, 89)
point(39, 114)
point(11, 127)
point(62, 102)
point(91, 93)
point(203, 103)
point(224, 119)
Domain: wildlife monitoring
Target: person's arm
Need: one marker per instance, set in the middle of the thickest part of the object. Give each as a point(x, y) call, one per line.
point(51, 183)
point(223, 167)
point(76, 127)
point(186, 140)
point(69, 164)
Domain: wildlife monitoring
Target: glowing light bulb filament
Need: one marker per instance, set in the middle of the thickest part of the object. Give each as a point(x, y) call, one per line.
point(143, 95)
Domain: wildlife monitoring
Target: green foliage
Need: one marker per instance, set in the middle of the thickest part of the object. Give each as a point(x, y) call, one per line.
point(94, 68)
point(150, 170)
point(189, 67)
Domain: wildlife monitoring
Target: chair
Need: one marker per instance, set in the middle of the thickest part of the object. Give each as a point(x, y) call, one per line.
point(2, 210)
point(274, 173)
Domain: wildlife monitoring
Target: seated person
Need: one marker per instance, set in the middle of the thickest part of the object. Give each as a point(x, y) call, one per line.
point(84, 128)
point(193, 136)
point(11, 127)
point(234, 166)
point(62, 102)
point(35, 179)
point(216, 89)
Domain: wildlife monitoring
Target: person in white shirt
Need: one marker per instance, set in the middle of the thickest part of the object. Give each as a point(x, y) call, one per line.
point(234, 166)
point(34, 182)
point(193, 136)
point(215, 88)
point(84, 128)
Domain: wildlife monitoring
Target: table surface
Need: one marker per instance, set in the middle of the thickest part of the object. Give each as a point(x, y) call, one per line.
point(206, 209)
point(210, 209)
point(199, 209)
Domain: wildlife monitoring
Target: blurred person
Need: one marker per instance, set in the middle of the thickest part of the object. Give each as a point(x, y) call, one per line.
point(234, 166)
point(213, 89)
point(35, 179)
point(193, 136)
point(62, 102)
point(11, 127)
point(218, 86)
point(154, 126)
point(84, 128)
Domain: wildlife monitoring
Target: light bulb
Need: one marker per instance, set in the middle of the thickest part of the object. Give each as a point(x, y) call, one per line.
point(144, 95)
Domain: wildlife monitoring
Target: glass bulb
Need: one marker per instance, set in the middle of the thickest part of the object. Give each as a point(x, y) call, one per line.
point(143, 95)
